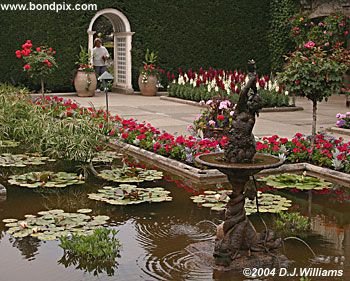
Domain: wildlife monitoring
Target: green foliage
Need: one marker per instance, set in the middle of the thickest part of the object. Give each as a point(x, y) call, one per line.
point(270, 98)
point(225, 34)
point(292, 224)
point(330, 32)
point(102, 244)
point(96, 252)
point(84, 60)
point(74, 138)
point(313, 74)
point(279, 40)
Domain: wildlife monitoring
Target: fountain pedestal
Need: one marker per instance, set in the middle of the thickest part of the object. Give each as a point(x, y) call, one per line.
point(236, 236)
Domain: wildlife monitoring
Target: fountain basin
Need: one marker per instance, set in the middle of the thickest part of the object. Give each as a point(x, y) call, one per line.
point(260, 162)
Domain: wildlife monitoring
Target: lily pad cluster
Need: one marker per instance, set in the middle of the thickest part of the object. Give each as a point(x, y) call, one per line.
point(50, 225)
point(8, 143)
point(301, 182)
point(106, 156)
point(127, 194)
point(46, 179)
point(128, 174)
point(22, 160)
point(268, 203)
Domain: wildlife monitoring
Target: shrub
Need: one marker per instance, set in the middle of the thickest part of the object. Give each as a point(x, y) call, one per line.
point(95, 252)
point(292, 224)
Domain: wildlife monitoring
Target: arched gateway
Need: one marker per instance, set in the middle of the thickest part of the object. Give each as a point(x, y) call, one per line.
point(122, 48)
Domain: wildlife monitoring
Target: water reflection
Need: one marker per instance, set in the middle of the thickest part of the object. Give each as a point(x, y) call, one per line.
point(28, 246)
point(164, 242)
point(96, 267)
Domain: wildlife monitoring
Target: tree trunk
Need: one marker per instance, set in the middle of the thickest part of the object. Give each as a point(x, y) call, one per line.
point(314, 122)
point(42, 88)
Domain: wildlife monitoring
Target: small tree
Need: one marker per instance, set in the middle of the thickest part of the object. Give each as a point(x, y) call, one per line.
point(312, 73)
point(39, 63)
point(315, 69)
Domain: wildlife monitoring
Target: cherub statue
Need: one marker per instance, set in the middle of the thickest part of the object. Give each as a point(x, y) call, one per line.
point(241, 145)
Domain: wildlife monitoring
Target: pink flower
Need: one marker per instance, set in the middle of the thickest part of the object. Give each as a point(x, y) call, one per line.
point(38, 49)
point(18, 54)
point(27, 67)
point(211, 123)
point(310, 45)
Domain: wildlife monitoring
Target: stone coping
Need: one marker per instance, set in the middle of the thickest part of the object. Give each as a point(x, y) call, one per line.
point(340, 131)
point(266, 109)
point(213, 176)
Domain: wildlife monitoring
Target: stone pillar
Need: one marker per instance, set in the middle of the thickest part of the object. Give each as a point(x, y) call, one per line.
point(91, 41)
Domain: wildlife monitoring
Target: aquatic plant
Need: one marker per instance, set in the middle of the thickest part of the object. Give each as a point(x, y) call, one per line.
point(96, 252)
point(106, 156)
point(46, 179)
point(128, 174)
point(292, 224)
point(217, 200)
point(126, 194)
point(301, 182)
point(22, 160)
point(52, 224)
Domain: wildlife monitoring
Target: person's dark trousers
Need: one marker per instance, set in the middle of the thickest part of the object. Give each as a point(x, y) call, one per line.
point(99, 70)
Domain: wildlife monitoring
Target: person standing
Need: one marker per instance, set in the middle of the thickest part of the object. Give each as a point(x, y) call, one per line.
point(99, 57)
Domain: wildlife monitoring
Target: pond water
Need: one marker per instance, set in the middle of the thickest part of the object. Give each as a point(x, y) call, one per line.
point(154, 236)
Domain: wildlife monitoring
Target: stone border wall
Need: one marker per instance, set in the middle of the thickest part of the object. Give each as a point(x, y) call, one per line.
point(213, 176)
point(266, 109)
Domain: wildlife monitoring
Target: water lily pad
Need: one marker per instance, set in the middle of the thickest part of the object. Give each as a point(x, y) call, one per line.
point(45, 179)
point(127, 194)
point(268, 203)
point(9, 220)
point(301, 182)
point(128, 174)
point(22, 160)
point(106, 156)
point(84, 211)
point(49, 225)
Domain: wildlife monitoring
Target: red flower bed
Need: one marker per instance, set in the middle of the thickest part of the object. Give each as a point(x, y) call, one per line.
point(328, 152)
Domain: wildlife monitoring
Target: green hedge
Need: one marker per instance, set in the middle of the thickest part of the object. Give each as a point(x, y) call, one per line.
point(191, 33)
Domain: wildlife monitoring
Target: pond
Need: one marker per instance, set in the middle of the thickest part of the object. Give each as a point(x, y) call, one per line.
point(154, 236)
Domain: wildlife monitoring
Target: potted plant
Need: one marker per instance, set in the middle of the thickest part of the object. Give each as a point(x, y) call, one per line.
point(149, 75)
point(216, 119)
point(39, 62)
point(85, 81)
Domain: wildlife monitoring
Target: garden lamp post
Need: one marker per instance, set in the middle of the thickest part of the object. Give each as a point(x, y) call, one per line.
point(106, 78)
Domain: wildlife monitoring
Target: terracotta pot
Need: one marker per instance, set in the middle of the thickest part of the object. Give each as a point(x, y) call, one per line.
point(85, 83)
point(149, 88)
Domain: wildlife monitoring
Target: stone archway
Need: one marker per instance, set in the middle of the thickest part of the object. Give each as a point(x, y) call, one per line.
point(122, 48)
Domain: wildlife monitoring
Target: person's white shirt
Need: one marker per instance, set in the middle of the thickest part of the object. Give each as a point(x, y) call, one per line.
point(97, 55)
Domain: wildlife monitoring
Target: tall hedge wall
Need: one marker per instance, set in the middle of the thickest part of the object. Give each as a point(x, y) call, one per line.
point(187, 33)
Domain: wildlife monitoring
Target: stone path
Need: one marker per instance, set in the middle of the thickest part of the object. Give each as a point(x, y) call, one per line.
point(175, 117)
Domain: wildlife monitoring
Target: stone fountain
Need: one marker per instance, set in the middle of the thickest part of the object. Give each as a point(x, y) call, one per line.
point(237, 242)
